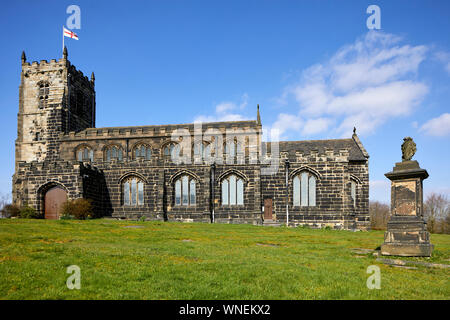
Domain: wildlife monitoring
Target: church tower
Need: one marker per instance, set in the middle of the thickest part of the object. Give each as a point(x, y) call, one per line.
point(54, 98)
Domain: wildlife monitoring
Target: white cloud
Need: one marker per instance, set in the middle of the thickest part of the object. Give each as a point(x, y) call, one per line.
point(363, 84)
point(287, 122)
point(315, 126)
point(226, 111)
point(444, 58)
point(438, 127)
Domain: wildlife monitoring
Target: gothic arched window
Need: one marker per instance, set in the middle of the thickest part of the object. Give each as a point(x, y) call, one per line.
point(85, 153)
point(133, 191)
point(304, 189)
point(44, 89)
point(201, 150)
point(113, 153)
point(353, 186)
point(171, 148)
point(233, 149)
point(232, 191)
point(142, 151)
point(185, 191)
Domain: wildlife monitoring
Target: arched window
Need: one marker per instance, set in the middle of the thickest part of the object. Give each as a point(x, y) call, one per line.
point(201, 150)
point(233, 149)
point(142, 151)
point(185, 191)
point(133, 191)
point(44, 89)
point(171, 148)
point(304, 189)
point(85, 154)
point(113, 153)
point(232, 191)
point(353, 192)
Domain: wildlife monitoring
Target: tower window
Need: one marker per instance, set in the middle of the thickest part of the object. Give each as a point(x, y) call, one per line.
point(44, 89)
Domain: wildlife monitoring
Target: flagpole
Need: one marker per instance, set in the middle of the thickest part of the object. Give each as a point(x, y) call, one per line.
point(63, 41)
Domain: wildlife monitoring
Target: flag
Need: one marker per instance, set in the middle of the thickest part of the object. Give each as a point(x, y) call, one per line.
point(69, 34)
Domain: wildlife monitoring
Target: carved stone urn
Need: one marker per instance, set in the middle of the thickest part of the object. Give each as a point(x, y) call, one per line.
point(407, 233)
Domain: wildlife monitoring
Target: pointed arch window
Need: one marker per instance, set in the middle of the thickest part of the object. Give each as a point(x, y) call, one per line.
point(133, 191)
point(171, 149)
point(113, 153)
point(353, 192)
point(142, 151)
point(85, 154)
point(232, 191)
point(233, 148)
point(304, 189)
point(185, 191)
point(201, 150)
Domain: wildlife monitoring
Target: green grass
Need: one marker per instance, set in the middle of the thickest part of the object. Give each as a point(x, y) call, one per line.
point(220, 262)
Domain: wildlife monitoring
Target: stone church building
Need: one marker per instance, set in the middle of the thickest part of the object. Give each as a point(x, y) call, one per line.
point(218, 172)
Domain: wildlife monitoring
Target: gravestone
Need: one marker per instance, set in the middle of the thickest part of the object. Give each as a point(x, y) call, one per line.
point(407, 233)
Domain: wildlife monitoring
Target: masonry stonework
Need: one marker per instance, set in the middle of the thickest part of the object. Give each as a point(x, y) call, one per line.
point(58, 146)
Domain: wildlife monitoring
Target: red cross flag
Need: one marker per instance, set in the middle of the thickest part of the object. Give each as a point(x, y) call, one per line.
point(70, 34)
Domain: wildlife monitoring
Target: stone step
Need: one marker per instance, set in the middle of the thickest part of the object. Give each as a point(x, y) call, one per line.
point(271, 223)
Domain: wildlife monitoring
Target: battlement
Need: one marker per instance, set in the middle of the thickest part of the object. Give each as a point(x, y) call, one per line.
point(160, 130)
point(60, 165)
point(36, 67)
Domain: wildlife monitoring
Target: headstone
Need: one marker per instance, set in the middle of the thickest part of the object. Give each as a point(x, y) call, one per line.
point(407, 233)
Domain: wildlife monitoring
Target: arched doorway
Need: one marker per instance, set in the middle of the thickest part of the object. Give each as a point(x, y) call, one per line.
point(53, 200)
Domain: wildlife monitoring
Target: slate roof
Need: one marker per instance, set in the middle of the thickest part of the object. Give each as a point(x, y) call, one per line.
point(306, 146)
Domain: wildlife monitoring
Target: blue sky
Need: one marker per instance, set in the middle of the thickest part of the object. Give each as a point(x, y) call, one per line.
point(313, 66)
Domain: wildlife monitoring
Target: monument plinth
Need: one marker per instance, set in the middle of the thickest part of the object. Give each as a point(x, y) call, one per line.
point(407, 233)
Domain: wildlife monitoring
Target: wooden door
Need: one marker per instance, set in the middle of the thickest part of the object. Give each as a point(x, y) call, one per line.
point(267, 208)
point(54, 198)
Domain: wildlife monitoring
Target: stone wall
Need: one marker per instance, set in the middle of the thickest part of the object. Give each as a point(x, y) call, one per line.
point(50, 135)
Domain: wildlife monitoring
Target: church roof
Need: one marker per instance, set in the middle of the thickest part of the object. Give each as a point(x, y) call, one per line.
point(355, 148)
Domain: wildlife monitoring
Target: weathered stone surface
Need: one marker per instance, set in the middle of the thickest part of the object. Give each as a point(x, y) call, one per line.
point(406, 233)
point(51, 133)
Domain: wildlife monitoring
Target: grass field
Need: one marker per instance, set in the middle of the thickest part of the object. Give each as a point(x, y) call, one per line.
point(161, 260)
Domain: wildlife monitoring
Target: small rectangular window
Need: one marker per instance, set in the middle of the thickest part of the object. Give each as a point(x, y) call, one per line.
point(240, 192)
point(312, 191)
point(192, 192)
point(224, 192)
point(232, 190)
point(304, 189)
point(126, 193)
point(133, 192)
point(353, 192)
point(185, 189)
point(140, 193)
point(178, 193)
point(296, 187)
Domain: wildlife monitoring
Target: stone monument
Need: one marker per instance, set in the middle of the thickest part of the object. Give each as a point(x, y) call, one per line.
point(407, 233)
